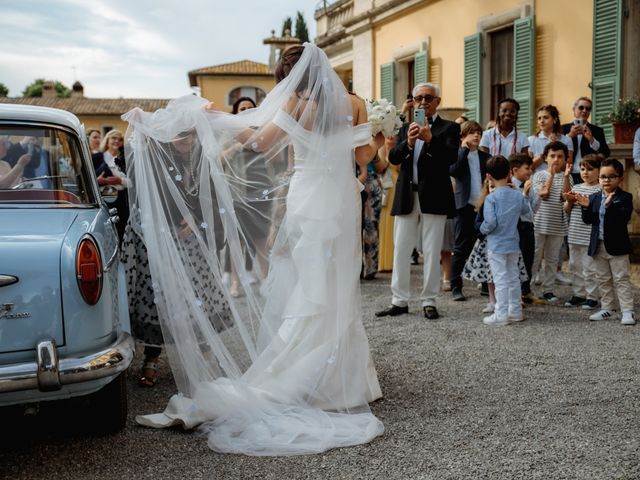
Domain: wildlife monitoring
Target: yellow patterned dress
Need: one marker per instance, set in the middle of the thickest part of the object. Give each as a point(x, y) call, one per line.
point(385, 228)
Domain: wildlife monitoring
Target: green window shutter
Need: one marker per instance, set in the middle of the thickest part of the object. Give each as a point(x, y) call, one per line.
point(472, 75)
point(607, 60)
point(388, 81)
point(523, 70)
point(421, 67)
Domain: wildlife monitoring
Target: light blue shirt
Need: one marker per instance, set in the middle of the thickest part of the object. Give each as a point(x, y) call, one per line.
point(502, 209)
point(601, 213)
point(636, 148)
point(532, 198)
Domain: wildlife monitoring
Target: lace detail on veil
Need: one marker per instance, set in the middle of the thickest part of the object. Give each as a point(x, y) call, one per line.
point(284, 369)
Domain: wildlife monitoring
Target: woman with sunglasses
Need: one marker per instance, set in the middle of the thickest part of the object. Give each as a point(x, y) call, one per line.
point(586, 137)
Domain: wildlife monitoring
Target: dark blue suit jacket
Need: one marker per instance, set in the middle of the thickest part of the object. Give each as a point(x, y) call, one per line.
point(616, 217)
point(460, 171)
point(585, 148)
point(434, 186)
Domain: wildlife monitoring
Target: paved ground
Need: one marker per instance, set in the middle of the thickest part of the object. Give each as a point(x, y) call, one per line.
point(554, 397)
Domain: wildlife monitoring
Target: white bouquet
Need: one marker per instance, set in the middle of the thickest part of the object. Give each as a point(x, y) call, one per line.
point(384, 117)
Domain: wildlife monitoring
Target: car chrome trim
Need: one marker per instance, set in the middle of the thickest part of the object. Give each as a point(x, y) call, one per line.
point(48, 364)
point(112, 259)
point(104, 363)
point(7, 280)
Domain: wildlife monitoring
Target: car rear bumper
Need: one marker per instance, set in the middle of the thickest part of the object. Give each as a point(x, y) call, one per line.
point(49, 373)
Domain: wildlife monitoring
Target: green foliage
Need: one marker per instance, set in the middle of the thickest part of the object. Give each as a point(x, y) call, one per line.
point(35, 89)
point(4, 91)
point(626, 110)
point(287, 25)
point(301, 28)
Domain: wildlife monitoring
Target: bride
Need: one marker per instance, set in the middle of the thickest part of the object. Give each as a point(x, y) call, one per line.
point(285, 369)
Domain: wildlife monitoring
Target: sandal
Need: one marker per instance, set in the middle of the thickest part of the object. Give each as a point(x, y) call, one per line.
point(235, 290)
point(151, 378)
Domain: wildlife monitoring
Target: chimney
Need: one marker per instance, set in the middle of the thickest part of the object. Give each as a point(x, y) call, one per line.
point(48, 89)
point(77, 90)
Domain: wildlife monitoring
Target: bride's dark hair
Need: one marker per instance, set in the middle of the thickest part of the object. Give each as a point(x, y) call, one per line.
point(288, 60)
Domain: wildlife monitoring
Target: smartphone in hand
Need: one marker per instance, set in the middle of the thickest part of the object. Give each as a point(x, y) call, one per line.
point(418, 116)
point(579, 122)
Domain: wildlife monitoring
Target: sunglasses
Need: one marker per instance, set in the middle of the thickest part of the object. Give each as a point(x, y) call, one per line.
point(604, 178)
point(420, 98)
point(584, 107)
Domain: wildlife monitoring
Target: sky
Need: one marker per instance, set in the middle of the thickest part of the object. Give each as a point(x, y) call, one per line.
point(134, 48)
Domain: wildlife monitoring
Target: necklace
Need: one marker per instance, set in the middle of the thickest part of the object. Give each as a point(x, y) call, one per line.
point(190, 172)
point(498, 150)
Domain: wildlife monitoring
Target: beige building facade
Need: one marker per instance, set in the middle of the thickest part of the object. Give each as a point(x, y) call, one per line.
point(538, 51)
point(224, 84)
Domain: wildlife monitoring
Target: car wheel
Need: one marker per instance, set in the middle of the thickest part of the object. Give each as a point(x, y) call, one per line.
point(108, 406)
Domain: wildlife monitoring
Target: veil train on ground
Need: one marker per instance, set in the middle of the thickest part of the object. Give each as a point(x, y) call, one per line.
point(285, 368)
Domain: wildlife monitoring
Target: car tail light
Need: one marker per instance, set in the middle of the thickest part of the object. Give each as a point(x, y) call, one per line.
point(89, 270)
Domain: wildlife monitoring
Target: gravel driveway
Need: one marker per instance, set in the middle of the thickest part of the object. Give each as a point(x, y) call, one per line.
point(551, 398)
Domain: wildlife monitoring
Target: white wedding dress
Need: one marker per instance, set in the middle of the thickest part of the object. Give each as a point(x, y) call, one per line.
point(290, 372)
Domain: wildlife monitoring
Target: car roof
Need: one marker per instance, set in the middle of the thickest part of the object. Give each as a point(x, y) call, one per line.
point(9, 112)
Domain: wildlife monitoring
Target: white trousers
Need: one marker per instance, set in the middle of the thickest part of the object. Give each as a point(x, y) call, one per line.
point(405, 230)
point(613, 271)
point(547, 247)
point(506, 278)
point(583, 272)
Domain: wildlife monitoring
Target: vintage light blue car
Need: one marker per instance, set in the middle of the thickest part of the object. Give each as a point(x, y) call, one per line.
point(64, 324)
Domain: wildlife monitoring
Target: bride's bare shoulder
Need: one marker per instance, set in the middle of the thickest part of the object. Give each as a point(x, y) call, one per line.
point(359, 109)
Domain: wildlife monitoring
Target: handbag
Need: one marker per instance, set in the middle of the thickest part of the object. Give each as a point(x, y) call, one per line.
point(387, 179)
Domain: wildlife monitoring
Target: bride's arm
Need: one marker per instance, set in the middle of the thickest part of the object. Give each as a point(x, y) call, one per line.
point(258, 140)
point(365, 153)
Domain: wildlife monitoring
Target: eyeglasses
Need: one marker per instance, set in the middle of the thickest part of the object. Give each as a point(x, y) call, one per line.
point(420, 98)
point(606, 178)
point(584, 107)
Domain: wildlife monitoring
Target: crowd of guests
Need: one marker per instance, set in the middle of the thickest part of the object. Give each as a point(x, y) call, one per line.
point(519, 204)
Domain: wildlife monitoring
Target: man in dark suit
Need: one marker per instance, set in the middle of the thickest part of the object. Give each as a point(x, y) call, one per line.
point(469, 172)
point(587, 138)
point(423, 200)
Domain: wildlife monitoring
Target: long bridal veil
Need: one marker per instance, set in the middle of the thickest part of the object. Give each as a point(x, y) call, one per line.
point(284, 368)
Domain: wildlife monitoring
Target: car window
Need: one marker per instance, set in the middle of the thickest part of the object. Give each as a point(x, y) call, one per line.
point(42, 165)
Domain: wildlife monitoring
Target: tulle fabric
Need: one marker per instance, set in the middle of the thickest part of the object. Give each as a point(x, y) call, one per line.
point(284, 369)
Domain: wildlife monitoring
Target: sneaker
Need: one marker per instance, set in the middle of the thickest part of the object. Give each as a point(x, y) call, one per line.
point(489, 308)
point(457, 295)
point(550, 297)
point(562, 279)
point(574, 301)
point(589, 304)
point(515, 318)
point(492, 320)
point(601, 315)
point(628, 318)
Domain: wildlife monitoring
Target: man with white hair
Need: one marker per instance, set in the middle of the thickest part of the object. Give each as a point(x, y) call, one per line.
point(587, 138)
point(423, 200)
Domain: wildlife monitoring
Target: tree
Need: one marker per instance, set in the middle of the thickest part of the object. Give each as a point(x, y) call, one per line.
point(35, 89)
point(301, 28)
point(4, 91)
point(287, 25)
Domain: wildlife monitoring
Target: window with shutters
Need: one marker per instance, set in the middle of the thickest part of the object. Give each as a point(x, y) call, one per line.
point(501, 59)
point(411, 71)
point(607, 41)
point(388, 81)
